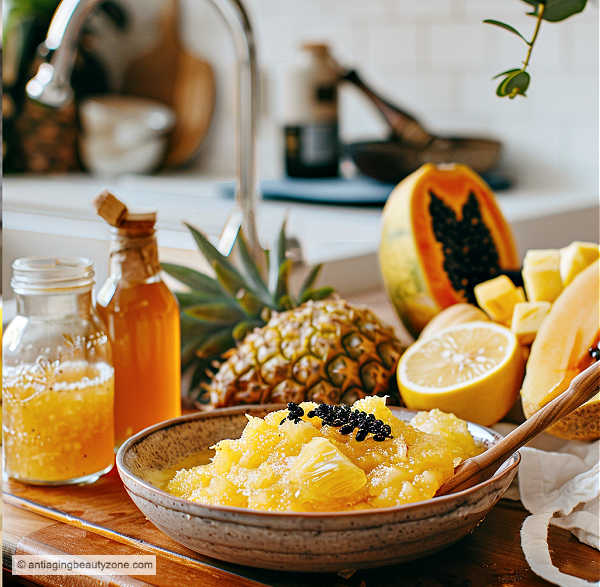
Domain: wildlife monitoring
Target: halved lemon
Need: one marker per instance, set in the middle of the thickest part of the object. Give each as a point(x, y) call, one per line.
point(473, 370)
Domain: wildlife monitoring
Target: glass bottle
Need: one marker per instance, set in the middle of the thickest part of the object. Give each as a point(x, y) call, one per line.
point(57, 379)
point(141, 316)
point(311, 137)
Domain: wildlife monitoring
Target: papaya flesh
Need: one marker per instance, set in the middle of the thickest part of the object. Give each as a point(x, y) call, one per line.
point(442, 234)
point(560, 351)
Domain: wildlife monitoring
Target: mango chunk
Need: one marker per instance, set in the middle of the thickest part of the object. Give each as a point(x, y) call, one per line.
point(575, 258)
point(498, 297)
point(527, 319)
point(541, 275)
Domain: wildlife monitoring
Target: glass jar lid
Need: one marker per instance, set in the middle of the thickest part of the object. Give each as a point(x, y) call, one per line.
point(37, 275)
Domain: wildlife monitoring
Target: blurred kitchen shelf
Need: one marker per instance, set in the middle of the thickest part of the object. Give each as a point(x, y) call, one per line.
point(54, 215)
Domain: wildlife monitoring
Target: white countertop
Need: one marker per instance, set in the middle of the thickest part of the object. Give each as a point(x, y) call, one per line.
point(62, 205)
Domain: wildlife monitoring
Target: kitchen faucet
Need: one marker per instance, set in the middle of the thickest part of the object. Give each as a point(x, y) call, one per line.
point(51, 86)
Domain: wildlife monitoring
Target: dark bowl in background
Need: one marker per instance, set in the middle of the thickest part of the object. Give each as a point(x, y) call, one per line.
point(391, 161)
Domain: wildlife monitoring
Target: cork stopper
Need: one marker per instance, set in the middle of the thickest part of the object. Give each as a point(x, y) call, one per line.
point(115, 213)
point(109, 207)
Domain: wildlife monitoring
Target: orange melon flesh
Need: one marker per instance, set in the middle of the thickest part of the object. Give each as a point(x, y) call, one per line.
point(560, 351)
point(410, 256)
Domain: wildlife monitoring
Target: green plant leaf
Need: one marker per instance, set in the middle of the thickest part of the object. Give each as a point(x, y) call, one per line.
point(216, 344)
point(285, 303)
point(244, 328)
point(186, 299)
point(277, 277)
point(281, 289)
point(310, 279)
point(507, 72)
point(250, 303)
point(517, 84)
point(188, 349)
point(250, 268)
point(210, 253)
point(191, 327)
point(191, 278)
point(557, 10)
point(513, 84)
point(506, 27)
point(316, 294)
point(234, 284)
point(215, 313)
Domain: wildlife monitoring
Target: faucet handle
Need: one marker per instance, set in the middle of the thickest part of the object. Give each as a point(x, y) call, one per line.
point(47, 88)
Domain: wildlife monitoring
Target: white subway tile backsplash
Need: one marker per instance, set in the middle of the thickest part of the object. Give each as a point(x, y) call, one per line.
point(571, 96)
point(581, 45)
point(435, 58)
point(393, 45)
point(578, 153)
point(431, 10)
point(457, 47)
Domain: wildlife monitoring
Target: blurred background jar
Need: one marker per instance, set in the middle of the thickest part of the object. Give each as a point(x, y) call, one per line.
point(58, 384)
point(141, 317)
point(311, 129)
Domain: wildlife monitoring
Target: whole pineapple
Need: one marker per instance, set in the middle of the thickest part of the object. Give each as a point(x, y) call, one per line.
point(325, 351)
point(289, 348)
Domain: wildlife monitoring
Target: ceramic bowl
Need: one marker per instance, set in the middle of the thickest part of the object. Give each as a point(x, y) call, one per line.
point(318, 542)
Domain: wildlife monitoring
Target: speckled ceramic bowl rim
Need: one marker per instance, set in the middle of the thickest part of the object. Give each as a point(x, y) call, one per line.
point(505, 468)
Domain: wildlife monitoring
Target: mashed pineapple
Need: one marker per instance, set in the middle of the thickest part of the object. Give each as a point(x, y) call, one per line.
point(309, 467)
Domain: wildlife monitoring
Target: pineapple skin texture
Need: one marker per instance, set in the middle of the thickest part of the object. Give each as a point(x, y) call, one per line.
point(310, 467)
point(326, 351)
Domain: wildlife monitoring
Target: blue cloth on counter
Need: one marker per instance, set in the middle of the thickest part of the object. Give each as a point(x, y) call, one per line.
point(336, 190)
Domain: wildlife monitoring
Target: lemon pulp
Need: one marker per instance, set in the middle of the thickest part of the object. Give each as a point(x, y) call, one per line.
point(473, 370)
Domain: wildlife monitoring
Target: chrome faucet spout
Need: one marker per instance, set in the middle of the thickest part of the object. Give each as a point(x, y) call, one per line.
point(51, 86)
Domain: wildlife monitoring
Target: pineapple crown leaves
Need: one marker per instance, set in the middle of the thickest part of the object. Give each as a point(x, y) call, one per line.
point(217, 312)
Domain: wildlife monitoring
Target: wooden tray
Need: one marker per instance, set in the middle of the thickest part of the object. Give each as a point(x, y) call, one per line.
point(101, 519)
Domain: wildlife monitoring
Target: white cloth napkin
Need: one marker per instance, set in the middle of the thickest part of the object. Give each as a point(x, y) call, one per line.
point(559, 484)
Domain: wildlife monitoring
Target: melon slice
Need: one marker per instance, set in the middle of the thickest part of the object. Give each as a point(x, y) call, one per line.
point(541, 275)
point(527, 319)
point(575, 258)
point(560, 351)
point(498, 297)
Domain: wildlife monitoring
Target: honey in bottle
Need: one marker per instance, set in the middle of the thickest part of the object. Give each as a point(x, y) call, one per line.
point(141, 317)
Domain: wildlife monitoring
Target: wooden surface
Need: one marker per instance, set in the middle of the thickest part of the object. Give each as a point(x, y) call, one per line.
point(101, 519)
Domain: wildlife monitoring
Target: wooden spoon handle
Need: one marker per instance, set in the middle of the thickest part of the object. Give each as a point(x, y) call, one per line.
point(582, 388)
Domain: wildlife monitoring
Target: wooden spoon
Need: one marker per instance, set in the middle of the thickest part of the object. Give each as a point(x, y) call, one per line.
point(474, 470)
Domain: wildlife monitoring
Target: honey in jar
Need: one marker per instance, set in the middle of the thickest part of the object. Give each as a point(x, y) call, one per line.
point(57, 380)
point(141, 317)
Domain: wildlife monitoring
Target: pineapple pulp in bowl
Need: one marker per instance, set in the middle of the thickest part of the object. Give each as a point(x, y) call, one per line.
point(296, 493)
point(312, 457)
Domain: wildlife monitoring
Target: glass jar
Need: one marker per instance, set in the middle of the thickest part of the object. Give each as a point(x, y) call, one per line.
point(57, 380)
point(141, 317)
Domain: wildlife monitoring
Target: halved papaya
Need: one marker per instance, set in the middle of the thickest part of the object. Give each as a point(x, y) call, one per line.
point(443, 233)
point(560, 351)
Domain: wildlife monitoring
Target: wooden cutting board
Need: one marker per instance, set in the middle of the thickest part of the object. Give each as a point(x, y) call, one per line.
point(172, 75)
point(101, 519)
